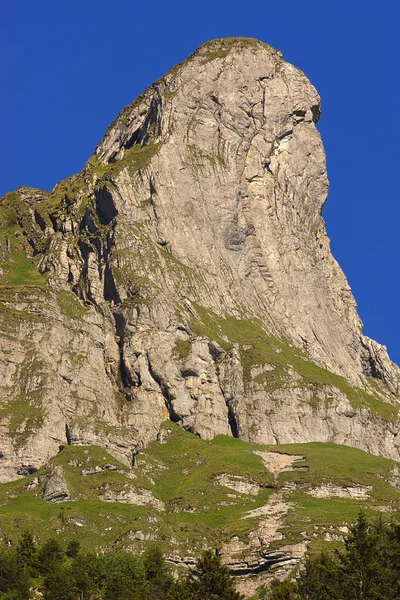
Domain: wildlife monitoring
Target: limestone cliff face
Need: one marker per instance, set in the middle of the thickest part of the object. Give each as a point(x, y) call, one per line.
point(186, 274)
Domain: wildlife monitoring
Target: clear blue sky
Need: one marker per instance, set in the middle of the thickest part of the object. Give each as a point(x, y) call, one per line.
point(67, 69)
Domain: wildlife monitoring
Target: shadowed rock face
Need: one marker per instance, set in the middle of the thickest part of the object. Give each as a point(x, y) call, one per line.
point(195, 242)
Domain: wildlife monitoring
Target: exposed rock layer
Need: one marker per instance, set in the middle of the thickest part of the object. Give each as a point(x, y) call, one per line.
point(195, 241)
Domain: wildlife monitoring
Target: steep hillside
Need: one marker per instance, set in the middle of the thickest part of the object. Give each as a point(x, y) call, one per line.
point(185, 276)
point(264, 507)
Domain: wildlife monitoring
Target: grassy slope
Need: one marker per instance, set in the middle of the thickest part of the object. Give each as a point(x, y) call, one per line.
point(181, 472)
point(338, 465)
point(16, 268)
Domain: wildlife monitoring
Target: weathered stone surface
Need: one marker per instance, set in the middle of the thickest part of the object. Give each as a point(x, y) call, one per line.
point(142, 498)
point(338, 491)
point(238, 484)
point(194, 232)
point(55, 488)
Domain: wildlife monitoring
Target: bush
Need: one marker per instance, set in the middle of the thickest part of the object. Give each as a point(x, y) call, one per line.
point(14, 577)
point(49, 556)
point(210, 580)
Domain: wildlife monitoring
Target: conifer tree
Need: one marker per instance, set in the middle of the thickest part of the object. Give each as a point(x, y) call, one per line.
point(27, 552)
point(210, 580)
point(49, 556)
point(73, 548)
point(14, 577)
point(59, 584)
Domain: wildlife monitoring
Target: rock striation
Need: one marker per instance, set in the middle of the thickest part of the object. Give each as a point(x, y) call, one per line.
point(186, 274)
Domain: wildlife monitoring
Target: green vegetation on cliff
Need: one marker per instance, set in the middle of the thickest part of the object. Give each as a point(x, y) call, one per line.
point(258, 348)
point(15, 267)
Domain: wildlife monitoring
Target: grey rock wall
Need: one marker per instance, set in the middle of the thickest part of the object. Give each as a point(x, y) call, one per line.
point(195, 242)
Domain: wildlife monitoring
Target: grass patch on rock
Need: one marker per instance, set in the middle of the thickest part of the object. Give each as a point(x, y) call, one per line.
point(258, 348)
point(70, 305)
point(22, 419)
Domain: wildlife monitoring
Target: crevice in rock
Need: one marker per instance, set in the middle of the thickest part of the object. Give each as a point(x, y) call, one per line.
point(39, 220)
point(105, 205)
point(135, 451)
point(31, 241)
point(184, 330)
point(370, 369)
point(151, 126)
point(316, 112)
point(26, 470)
point(68, 434)
point(232, 421)
point(110, 291)
point(165, 245)
point(123, 377)
point(126, 377)
point(88, 222)
point(175, 418)
point(135, 137)
point(84, 249)
point(215, 351)
point(70, 275)
point(266, 561)
point(188, 373)
point(120, 324)
point(283, 135)
point(152, 184)
point(79, 289)
point(54, 222)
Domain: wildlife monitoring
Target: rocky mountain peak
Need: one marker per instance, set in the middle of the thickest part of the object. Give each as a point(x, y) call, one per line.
point(185, 274)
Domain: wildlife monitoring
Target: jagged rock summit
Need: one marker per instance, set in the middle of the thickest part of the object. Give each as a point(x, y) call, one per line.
point(185, 274)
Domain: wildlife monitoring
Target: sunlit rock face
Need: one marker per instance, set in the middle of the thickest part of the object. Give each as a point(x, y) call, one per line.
point(186, 275)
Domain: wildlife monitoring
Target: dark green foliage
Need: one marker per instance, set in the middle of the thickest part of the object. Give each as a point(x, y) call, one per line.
point(393, 550)
point(117, 589)
point(90, 575)
point(368, 570)
point(14, 577)
point(49, 555)
point(322, 576)
point(27, 552)
point(120, 576)
point(124, 574)
point(73, 548)
point(59, 584)
point(279, 590)
point(158, 579)
point(154, 563)
point(180, 591)
point(210, 580)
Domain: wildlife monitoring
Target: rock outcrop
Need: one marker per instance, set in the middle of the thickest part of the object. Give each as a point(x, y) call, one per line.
point(185, 273)
point(55, 488)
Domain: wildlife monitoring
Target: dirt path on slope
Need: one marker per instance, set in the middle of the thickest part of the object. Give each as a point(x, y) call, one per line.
point(276, 509)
